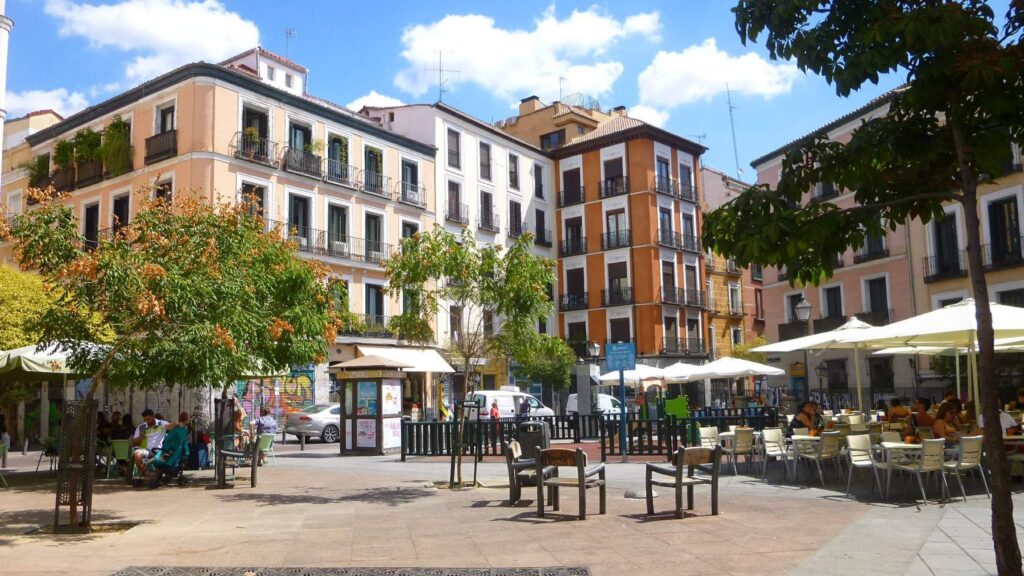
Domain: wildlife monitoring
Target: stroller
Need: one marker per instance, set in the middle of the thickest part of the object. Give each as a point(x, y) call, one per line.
point(169, 463)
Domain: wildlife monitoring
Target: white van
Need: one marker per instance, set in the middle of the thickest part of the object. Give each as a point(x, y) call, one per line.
point(606, 404)
point(508, 403)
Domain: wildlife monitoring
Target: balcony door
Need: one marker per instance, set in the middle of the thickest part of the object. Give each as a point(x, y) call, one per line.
point(947, 249)
point(832, 302)
point(374, 304)
point(693, 329)
point(1004, 231)
point(613, 181)
point(575, 283)
point(515, 217)
point(878, 297)
point(373, 231)
point(166, 119)
point(574, 235)
point(121, 212)
point(571, 186)
point(337, 228)
point(486, 209)
point(409, 229)
point(689, 229)
point(298, 216)
point(617, 227)
point(299, 136)
point(454, 198)
point(662, 172)
point(92, 225)
point(539, 220)
point(410, 177)
point(256, 197)
point(791, 301)
point(619, 330)
point(257, 119)
point(691, 277)
point(671, 328)
point(337, 158)
point(618, 283)
point(576, 336)
point(668, 277)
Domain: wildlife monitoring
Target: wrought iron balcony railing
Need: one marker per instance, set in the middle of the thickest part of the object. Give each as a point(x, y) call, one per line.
point(161, 146)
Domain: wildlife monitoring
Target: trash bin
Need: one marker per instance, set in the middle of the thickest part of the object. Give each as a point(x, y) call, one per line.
point(533, 433)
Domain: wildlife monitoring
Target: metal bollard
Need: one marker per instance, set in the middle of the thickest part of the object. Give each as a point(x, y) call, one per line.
point(302, 442)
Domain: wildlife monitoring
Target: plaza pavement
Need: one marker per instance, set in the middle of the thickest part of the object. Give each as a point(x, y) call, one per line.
point(316, 509)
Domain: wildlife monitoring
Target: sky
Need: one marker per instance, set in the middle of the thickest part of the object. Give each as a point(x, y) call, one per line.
point(668, 62)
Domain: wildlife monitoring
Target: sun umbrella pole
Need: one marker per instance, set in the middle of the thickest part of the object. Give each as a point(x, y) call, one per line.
point(857, 369)
point(956, 357)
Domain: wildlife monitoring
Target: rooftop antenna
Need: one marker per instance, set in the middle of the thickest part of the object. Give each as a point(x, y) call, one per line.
point(440, 75)
point(700, 137)
point(561, 84)
point(289, 33)
point(732, 126)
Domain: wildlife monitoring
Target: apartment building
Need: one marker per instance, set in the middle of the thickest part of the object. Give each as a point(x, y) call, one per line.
point(490, 183)
point(627, 225)
point(346, 188)
point(875, 283)
point(736, 302)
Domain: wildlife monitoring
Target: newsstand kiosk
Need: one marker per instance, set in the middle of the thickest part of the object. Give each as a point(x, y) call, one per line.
point(370, 389)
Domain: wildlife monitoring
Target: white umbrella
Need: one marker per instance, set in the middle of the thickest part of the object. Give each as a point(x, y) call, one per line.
point(831, 339)
point(680, 372)
point(734, 368)
point(640, 373)
point(952, 326)
point(1001, 345)
point(35, 363)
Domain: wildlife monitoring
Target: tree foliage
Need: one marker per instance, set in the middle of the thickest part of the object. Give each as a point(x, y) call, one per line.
point(745, 351)
point(541, 357)
point(22, 301)
point(194, 294)
point(945, 132)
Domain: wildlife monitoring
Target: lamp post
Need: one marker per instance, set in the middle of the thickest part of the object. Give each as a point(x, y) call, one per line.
point(803, 314)
point(594, 349)
point(822, 371)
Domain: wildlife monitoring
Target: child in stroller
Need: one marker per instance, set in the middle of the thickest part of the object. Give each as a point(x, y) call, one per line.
point(169, 463)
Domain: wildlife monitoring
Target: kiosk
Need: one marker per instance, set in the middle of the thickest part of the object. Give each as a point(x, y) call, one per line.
point(370, 390)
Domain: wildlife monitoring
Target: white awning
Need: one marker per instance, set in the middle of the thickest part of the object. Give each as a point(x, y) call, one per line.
point(421, 359)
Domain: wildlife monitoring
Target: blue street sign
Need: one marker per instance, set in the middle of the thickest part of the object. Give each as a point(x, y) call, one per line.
point(621, 356)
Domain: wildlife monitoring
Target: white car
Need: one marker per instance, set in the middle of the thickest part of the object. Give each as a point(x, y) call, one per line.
point(606, 404)
point(508, 403)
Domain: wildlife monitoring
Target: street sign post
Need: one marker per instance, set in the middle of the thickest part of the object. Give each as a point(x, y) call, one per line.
point(621, 356)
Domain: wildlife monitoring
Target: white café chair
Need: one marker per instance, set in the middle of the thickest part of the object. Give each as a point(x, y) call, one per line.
point(773, 445)
point(742, 443)
point(708, 436)
point(968, 459)
point(860, 455)
point(826, 449)
point(932, 459)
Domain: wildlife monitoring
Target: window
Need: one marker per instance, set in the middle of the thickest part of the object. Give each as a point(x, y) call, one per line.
point(832, 302)
point(737, 336)
point(576, 335)
point(485, 161)
point(878, 296)
point(552, 140)
point(486, 211)
point(735, 300)
point(288, 80)
point(614, 183)
point(825, 190)
point(455, 322)
point(513, 171)
point(947, 247)
point(1004, 232)
point(409, 229)
point(580, 129)
point(515, 218)
point(121, 215)
point(488, 323)
point(949, 301)
point(712, 344)
point(91, 226)
point(541, 228)
point(166, 119)
point(791, 301)
point(373, 229)
point(162, 190)
point(758, 303)
point(668, 278)
point(572, 191)
point(685, 177)
point(664, 180)
point(756, 272)
point(298, 217)
point(542, 326)
point(618, 330)
point(671, 327)
point(337, 228)
point(258, 120)
point(1011, 297)
point(665, 223)
point(255, 196)
point(618, 283)
point(454, 198)
point(837, 374)
point(374, 305)
point(454, 151)
point(881, 374)
point(411, 182)
point(373, 169)
point(271, 73)
point(337, 158)
point(299, 136)
point(538, 181)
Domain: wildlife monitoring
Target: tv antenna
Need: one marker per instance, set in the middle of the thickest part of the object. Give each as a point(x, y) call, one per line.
point(289, 33)
point(561, 84)
point(732, 126)
point(441, 81)
point(700, 137)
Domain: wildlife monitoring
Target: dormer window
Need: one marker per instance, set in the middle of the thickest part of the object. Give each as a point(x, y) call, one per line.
point(271, 73)
point(288, 80)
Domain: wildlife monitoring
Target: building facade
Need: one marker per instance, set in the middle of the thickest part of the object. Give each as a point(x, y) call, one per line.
point(627, 227)
point(344, 187)
point(490, 183)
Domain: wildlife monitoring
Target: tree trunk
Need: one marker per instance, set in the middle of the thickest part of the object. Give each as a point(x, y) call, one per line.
point(1004, 532)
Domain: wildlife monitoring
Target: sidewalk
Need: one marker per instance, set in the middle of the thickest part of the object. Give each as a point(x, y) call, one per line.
point(315, 509)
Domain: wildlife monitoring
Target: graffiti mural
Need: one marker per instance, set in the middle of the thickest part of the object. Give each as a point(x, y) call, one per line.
point(282, 396)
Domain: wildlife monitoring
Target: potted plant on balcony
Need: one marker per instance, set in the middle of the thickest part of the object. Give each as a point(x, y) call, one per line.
point(314, 147)
point(250, 141)
point(87, 156)
point(38, 169)
point(64, 154)
point(116, 147)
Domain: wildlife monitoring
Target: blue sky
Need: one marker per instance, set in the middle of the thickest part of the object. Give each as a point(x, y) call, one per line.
point(668, 62)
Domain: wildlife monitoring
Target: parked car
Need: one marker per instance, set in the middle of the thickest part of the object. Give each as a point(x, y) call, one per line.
point(319, 421)
point(508, 403)
point(606, 404)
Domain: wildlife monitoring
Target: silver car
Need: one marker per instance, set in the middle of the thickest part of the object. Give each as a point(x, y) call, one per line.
point(321, 421)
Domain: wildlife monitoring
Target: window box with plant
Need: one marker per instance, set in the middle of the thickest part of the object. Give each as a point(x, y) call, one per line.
point(87, 157)
point(116, 148)
point(64, 162)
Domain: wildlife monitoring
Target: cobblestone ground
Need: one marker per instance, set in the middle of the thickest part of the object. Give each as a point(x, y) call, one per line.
point(316, 509)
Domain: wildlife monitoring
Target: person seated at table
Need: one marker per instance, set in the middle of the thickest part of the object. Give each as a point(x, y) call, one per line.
point(242, 435)
point(104, 429)
point(944, 426)
point(148, 438)
point(1018, 404)
point(922, 419)
point(881, 407)
point(804, 418)
point(266, 423)
point(1006, 422)
point(897, 412)
point(117, 429)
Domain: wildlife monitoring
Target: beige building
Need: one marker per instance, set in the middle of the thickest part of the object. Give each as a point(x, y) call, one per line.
point(347, 188)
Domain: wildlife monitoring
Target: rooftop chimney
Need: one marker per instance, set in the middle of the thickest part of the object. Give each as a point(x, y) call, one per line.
point(619, 111)
point(529, 104)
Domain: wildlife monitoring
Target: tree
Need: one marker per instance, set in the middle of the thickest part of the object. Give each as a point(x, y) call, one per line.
point(542, 358)
point(745, 351)
point(195, 294)
point(23, 301)
point(947, 130)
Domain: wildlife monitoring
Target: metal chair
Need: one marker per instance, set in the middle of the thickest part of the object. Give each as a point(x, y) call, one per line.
point(584, 479)
point(824, 450)
point(3, 454)
point(773, 445)
point(968, 459)
point(521, 471)
point(690, 461)
point(119, 450)
point(708, 436)
point(51, 449)
point(932, 457)
point(860, 455)
point(742, 443)
point(266, 446)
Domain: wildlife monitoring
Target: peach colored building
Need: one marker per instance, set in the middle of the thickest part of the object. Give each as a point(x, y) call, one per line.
point(347, 188)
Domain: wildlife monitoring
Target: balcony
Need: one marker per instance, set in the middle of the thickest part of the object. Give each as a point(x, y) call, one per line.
point(377, 184)
point(161, 146)
point(543, 237)
point(298, 161)
point(687, 192)
point(877, 317)
point(616, 239)
point(790, 330)
point(489, 221)
point(670, 239)
point(665, 185)
point(711, 262)
point(258, 150)
point(412, 194)
point(672, 295)
point(943, 267)
point(621, 296)
point(89, 173)
point(615, 186)
point(571, 197)
point(828, 323)
point(574, 246)
point(324, 243)
point(570, 302)
point(783, 275)
point(338, 173)
point(673, 346)
point(516, 229)
point(579, 347)
point(869, 253)
point(63, 180)
point(458, 213)
point(370, 325)
point(997, 257)
point(691, 243)
point(732, 268)
point(694, 298)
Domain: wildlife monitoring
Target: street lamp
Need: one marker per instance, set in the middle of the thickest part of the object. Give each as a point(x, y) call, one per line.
point(803, 313)
point(595, 350)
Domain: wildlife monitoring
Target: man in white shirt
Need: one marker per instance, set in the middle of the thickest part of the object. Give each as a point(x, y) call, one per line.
point(1005, 421)
point(148, 438)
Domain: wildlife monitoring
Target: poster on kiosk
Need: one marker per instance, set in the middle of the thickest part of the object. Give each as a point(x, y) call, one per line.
point(371, 412)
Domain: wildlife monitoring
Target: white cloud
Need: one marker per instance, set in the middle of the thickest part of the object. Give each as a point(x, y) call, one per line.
point(516, 63)
point(649, 114)
point(701, 72)
point(159, 35)
point(59, 100)
point(374, 98)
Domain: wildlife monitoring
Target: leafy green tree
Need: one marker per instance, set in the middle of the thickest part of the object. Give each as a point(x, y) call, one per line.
point(745, 351)
point(195, 294)
point(541, 357)
point(946, 131)
point(22, 301)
